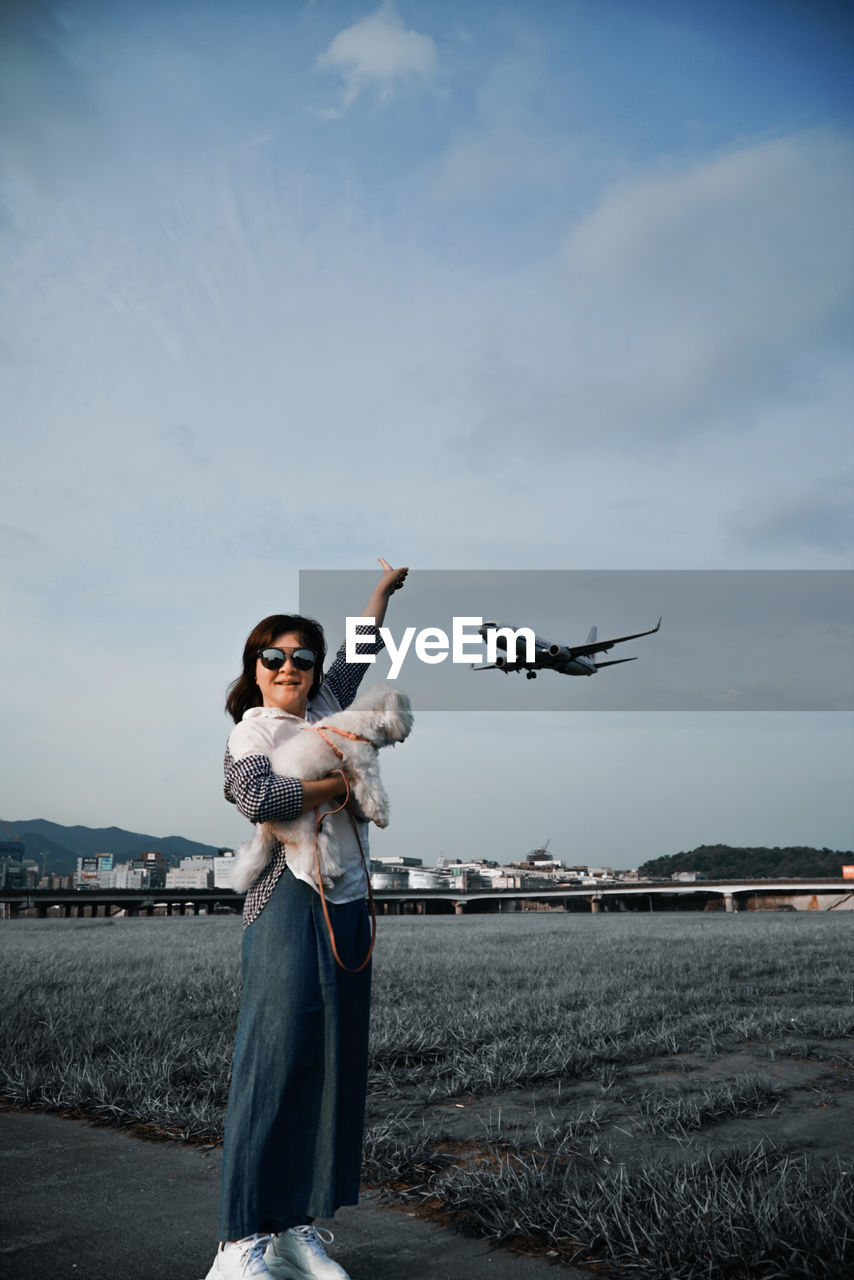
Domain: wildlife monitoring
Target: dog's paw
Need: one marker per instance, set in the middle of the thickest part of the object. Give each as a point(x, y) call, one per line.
point(379, 816)
point(370, 798)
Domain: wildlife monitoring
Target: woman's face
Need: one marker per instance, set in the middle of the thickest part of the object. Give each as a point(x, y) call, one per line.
point(288, 687)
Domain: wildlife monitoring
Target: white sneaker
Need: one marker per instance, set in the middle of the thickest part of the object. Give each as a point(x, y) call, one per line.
point(298, 1254)
point(237, 1259)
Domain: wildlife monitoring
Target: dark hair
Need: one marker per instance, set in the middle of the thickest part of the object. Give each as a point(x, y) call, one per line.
point(243, 692)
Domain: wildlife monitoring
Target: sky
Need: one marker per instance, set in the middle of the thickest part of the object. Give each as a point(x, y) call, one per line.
point(470, 286)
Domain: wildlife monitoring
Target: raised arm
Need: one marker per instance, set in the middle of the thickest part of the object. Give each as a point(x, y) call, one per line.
point(390, 581)
point(343, 678)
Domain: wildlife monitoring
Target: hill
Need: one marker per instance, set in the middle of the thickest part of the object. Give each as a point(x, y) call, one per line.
point(726, 862)
point(62, 846)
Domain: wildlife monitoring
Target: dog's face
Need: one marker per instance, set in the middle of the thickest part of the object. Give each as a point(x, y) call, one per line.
point(398, 716)
point(390, 714)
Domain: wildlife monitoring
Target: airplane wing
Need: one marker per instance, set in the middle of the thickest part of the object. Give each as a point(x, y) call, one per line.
point(602, 646)
point(615, 662)
point(494, 666)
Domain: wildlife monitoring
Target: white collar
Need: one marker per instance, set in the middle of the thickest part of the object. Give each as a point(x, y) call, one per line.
point(275, 713)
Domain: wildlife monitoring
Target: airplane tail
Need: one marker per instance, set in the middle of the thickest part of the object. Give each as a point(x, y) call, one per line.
point(591, 639)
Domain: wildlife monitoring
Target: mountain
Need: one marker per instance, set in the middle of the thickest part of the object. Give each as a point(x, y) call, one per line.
point(64, 845)
point(725, 862)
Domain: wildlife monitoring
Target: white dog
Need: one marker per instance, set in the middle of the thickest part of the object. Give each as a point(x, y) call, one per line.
point(377, 718)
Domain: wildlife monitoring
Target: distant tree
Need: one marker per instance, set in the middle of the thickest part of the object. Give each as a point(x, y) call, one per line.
point(726, 862)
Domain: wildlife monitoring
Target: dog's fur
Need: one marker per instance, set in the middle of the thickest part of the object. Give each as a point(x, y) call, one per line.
point(383, 716)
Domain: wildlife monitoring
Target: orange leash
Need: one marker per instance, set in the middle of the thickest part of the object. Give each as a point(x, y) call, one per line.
point(327, 813)
point(342, 733)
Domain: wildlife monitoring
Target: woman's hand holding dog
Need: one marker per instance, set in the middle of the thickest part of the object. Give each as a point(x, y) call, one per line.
point(314, 794)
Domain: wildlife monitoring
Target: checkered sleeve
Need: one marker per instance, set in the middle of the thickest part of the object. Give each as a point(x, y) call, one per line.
point(343, 678)
point(260, 794)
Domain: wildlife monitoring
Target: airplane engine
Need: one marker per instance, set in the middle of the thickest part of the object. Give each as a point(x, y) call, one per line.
point(500, 661)
point(560, 651)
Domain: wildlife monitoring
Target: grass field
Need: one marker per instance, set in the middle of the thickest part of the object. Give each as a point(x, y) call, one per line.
point(663, 1095)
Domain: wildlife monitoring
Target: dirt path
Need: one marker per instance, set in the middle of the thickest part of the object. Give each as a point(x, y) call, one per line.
point(94, 1203)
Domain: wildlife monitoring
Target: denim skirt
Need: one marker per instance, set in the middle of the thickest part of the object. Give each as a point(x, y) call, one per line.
point(296, 1107)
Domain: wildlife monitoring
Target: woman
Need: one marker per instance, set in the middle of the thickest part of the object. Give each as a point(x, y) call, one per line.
point(294, 1126)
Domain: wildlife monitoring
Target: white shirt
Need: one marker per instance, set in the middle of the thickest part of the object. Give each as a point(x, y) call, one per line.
point(262, 732)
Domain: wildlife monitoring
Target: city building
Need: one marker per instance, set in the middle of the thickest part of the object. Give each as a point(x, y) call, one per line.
point(386, 859)
point(223, 868)
point(156, 864)
point(54, 881)
point(124, 876)
point(90, 869)
point(13, 873)
point(536, 871)
point(198, 879)
point(196, 872)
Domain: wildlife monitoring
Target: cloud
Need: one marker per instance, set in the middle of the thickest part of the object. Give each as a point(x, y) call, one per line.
point(729, 259)
point(377, 52)
point(685, 302)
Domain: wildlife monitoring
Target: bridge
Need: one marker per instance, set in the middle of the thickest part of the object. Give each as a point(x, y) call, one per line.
point(621, 896)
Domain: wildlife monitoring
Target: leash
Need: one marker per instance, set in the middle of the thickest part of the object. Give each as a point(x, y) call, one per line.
point(342, 733)
point(354, 737)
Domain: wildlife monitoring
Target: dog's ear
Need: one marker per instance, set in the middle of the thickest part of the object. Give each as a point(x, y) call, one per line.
point(397, 715)
point(372, 701)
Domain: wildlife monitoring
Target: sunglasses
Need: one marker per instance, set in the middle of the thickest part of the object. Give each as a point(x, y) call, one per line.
point(273, 659)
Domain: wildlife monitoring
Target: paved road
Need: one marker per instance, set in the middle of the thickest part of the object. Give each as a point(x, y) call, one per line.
point(97, 1204)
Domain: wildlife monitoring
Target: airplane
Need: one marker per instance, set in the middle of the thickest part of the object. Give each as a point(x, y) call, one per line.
point(567, 660)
